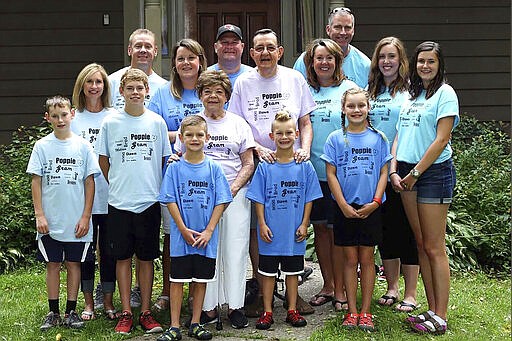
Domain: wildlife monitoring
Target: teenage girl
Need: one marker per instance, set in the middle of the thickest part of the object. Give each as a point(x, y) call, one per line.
point(357, 169)
point(426, 175)
point(388, 87)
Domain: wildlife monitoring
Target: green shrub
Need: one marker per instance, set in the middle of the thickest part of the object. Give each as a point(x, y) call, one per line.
point(17, 224)
point(478, 234)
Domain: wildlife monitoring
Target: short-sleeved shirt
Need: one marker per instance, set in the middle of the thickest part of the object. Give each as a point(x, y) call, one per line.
point(229, 137)
point(63, 166)
point(417, 124)
point(385, 110)
point(117, 100)
point(136, 146)
point(258, 99)
point(356, 66)
point(196, 189)
point(87, 125)
point(358, 158)
point(232, 76)
point(325, 119)
point(283, 189)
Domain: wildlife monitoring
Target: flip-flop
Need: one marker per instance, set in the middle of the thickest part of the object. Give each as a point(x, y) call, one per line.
point(406, 307)
point(303, 276)
point(341, 303)
point(162, 303)
point(87, 315)
point(112, 314)
point(320, 299)
point(387, 298)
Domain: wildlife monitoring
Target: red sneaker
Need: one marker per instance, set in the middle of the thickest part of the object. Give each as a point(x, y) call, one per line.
point(265, 321)
point(366, 322)
point(350, 321)
point(125, 323)
point(295, 319)
point(148, 323)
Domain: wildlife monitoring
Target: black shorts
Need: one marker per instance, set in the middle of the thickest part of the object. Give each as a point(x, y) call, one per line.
point(358, 232)
point(128, 233)
point(51, 250)
point(323, 208)
point(192, 268)
point(290, 265)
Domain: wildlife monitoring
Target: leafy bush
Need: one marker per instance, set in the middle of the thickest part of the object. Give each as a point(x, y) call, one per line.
point(478, 234)
point(17, 224)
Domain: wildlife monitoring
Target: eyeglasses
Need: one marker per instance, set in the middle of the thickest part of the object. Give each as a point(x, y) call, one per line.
point(340, 9)
point(269, 48)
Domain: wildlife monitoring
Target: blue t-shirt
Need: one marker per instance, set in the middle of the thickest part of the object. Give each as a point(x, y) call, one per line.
point(172, 109)
point(358, 161)
point(284, 189)
point(196, 189)
point(384, 112)
point(417, 124)
point(325, 119)
point(232, 76)
point(356, 66)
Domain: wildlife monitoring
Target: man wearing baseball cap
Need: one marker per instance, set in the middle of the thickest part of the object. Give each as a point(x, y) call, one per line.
point(229, 48)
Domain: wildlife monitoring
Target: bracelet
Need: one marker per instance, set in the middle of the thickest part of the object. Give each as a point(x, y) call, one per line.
point(378, 201)
point(393, 173)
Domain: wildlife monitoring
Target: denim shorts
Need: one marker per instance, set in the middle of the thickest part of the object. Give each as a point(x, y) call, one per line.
point(435, 185)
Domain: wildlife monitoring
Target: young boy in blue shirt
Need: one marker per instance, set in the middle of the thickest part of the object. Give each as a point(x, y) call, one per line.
point(283, 193)
point(63, 166)
point(196, 193)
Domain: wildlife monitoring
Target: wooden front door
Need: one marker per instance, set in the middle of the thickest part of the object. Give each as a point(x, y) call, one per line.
point(250, 16)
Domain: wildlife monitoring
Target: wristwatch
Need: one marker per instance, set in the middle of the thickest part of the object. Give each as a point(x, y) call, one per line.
point(415, 173)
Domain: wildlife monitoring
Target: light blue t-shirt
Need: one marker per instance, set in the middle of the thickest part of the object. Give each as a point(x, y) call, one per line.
point(356, 66)
point(196, 189)
point(384, 112)
point(358, 161)
point(63, 166)
point(325, 119)
point(417, 124)
point(284, 189)
point(172, 109)
point(232, 76)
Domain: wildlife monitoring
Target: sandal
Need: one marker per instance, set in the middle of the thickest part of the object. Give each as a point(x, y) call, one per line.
point(303, 276)
point(335, 303)
point(199, 332)
point(406, 307)
point(320, 299)
point(386, 299)
point(112, 314)
point(162, 303)
point(413, 319)
point(431, 326)
point(88, 315)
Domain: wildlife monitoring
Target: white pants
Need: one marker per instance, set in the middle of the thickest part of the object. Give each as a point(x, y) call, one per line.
point(232, 255)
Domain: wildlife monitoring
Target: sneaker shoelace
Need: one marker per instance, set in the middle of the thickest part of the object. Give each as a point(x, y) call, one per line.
point(365, 319)
point(148, 319)
point(125, 320)
point(294, 316)
point(266, 318)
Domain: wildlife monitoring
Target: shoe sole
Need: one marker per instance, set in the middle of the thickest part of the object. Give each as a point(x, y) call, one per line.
point(260, 327)
point(154, 330)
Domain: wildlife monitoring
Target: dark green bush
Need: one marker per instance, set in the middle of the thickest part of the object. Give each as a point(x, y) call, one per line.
point(478, 234)
point(17, 224)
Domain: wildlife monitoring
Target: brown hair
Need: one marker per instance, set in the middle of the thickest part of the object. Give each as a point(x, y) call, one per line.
point(193, 120)
point(213, 78)
point(334, 49)
point(134, 74)
point(194, 47)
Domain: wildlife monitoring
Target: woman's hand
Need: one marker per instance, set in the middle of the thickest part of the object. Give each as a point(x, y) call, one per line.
point(408, 182)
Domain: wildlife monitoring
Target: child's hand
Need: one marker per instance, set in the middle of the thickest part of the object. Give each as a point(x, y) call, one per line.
point(202, 239)
point(349, 212)
point(266, 234)
point(301, 233)
point(367, 209)
point(82, 227)
point(189, 235)
point(42, 225)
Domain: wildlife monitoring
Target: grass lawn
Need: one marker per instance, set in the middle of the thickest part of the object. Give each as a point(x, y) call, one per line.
point(480, 309)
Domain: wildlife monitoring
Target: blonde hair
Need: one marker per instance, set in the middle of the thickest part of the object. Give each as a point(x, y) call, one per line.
point(79, 100)
point(193, 120)
point(134, 74)
point(282, 116)
point(56, 101)
point(141, 31)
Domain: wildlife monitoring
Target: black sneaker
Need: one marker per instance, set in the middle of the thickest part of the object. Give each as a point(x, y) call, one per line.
point(72, 320)
point(135, 297)
point(198, 331)
point(170, 334)
point(203, 320)
point(51, 320)
point(238, 319)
